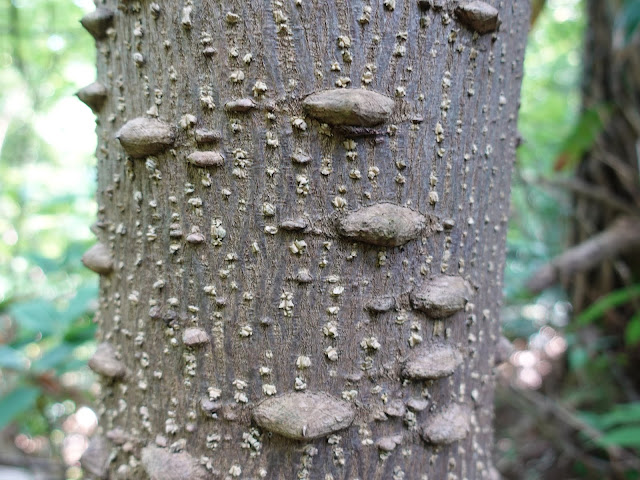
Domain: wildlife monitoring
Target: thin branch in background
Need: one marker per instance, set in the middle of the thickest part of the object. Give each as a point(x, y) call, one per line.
point(626, 174)
point(595, 192)
point(620, 457)
point(622, 236)
point(53, 467)
point(555, 433)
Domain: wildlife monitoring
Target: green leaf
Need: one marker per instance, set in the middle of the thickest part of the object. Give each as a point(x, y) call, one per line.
point(580, 469)
point(16, 402)
point(80, 333)
point(632, 475)
point(35, 316)
point(626, 413)
point(578, 358)
point(54, 357)
point(11, 358)
point(78, 306)
point(40, 315)
point(47, 265)
point(623, 414)
point(632, 331)
point(628, 19)
point(612, 300)
point(622, 437)
point(73, 365)
point(592, 418)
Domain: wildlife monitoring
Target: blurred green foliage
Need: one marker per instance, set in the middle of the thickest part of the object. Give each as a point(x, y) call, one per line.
point(614, 299)
point(556, 133)
point(621, 425)
point(46, 207)
point(582, 137)
point(549, 112)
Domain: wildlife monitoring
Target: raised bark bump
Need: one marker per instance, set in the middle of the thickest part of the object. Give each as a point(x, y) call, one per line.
point(229, 412)
point(118, 436)
point(431, 362)
point(382, 224)
point(204, 135)
point(395, 408)
point(96, 458)
point(161, 464)
point(304, 416)
point(194, 336)
point(93, 95)
point(209, 406)
point(195, 237)
point(98, 22)
point(98, 259)
point(388, 444)
point(352, 131)
point(266, 321)
point(294, 225)
point(447, 426)
point(301, 158)
point(206, 159)
point(441, 296)
point(349, 106)
point(303, 276)
point(380, 304)
point(141, 137)
point(427, 4)
point(105, 362)
point(417, 404)
point(240, 105)
point(478, 16)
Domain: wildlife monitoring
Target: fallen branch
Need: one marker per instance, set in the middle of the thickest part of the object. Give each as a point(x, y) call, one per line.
point(623, 235)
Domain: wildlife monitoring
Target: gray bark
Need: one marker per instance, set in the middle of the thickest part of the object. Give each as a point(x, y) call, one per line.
point(268, 240)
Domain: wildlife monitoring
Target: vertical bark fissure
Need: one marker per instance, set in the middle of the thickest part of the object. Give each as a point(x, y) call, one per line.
point(436, 167)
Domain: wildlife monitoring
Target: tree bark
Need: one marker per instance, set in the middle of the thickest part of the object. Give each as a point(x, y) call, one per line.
point(302, 218)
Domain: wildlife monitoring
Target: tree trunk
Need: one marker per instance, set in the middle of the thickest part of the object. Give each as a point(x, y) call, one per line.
point(302, 219)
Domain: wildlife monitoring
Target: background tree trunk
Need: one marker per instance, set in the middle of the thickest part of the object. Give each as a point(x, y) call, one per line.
point(612, 73)
point(245, 308)
point(612, 80)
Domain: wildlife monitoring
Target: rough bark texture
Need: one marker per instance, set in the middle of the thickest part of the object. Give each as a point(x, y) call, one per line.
point(245, 244)
point(612, 78)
